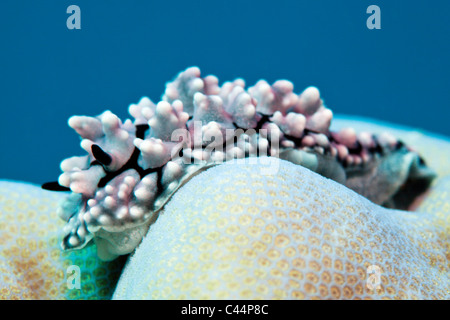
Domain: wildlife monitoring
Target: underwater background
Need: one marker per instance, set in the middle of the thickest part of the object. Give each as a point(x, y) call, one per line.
point(129, 49)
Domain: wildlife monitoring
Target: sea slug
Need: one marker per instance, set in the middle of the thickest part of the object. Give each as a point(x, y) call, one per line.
point(132, 168)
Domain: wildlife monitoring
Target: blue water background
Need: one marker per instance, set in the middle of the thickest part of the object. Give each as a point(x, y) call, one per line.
point(129, 49)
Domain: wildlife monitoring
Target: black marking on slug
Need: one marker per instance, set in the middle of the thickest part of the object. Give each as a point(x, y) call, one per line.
point(297, 141)
point(95, 163)
point(131, 164)
point(356, 149)
point(262, 121)
point(422, 161)
point(101, 155)
point(140, 130)
point(306, 131)
point(159, 184)
point(399, 145)
point(54, 186)
point(377, 148)
point(148, 171)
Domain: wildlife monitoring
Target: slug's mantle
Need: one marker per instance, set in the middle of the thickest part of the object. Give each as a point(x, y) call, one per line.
point(132, 168)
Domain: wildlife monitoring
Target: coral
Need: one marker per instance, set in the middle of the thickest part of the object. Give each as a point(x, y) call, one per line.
point(134, 167)
point(233, 233)
point(32, 265)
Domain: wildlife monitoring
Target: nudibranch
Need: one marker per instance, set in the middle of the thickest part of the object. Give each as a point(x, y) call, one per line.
point(132, 168)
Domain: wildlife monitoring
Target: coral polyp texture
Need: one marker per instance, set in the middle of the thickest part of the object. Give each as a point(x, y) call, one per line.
point(232, 233)
point(32, 265)
point(133, 167)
